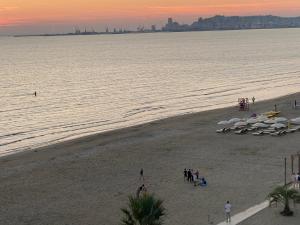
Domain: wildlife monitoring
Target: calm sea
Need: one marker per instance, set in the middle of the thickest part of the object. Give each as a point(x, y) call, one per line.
point(91, 84)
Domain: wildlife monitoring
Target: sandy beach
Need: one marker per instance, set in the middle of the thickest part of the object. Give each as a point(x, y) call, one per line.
point(86, 181)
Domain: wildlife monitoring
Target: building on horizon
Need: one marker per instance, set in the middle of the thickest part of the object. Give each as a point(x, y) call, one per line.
point(220, 22)
point(172, 26)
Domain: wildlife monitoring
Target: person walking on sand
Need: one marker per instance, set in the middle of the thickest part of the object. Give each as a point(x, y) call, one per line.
point(189, 175)
point(185, 174)
point(197, 174)
point(142, 174)
point(140, 190)
point(227, 212)
point(195, 179)
point(253, 100)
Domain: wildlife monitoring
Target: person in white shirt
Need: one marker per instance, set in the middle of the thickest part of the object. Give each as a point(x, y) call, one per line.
point(195, 179)
point(227, 211)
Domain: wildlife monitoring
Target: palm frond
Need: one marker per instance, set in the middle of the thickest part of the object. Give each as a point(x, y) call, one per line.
point(144, 210)
point(283, 194)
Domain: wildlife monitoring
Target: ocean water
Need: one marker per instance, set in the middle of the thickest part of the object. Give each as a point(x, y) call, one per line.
point(91, 84)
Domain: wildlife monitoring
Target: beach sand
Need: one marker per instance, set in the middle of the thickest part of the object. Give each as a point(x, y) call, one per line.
point(86, 181)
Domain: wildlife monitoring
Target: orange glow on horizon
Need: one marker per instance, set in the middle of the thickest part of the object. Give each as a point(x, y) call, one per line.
point(18, 12)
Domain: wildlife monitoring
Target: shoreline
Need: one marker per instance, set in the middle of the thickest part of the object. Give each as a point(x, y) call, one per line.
point(137, 126)
point(136, 32)
point(88, 180)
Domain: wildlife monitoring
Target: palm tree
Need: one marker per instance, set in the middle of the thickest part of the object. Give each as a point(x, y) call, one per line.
point(283, 194)
point(144, 210)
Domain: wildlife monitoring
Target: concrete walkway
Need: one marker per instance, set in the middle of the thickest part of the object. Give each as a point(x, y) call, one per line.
point(238, 218)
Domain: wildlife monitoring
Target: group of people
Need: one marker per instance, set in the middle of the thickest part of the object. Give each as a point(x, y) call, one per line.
point(142, 190)
point(193, 177)
point(296, 180)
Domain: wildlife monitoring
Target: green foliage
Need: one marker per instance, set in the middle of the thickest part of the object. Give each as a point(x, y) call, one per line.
point(144, 210)
point(282, 194)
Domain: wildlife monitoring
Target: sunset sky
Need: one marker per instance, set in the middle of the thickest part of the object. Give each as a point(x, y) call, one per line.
point(51, 16)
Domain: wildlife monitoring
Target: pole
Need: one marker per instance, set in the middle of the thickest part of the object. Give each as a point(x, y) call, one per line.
point(285, 171)
point(298, 163)
point(292, 162)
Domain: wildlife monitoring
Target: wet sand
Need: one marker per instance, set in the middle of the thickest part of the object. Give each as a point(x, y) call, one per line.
point(86, 181)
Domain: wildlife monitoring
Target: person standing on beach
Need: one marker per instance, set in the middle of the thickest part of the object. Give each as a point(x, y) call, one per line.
point(253, 100)
point(298, 181)
point(227, 212)
point(190, 175)
point(195, 179)
point(142, 174)
point(140, 189)
point(185, 174)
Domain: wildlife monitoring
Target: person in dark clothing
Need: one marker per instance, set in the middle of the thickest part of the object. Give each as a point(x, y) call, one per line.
point(139, 190)
point(185, 174)
point(189, 175)
point(142, 174)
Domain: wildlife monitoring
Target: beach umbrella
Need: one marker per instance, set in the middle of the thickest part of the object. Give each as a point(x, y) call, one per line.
point(234, 120)
point(280, 119)
point(223, 122)
point(278, 125)
point(252, 120)
point(241, 123)
point(262, 125)
point(295, 121)
point(269, 121)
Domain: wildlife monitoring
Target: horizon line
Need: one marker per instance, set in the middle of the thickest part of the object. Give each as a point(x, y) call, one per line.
point(132, 31)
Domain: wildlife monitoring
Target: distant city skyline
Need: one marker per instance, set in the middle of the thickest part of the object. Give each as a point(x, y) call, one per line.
point(58, 16)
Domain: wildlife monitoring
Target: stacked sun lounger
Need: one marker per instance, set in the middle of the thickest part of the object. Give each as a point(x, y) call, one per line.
point(261, 125)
